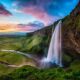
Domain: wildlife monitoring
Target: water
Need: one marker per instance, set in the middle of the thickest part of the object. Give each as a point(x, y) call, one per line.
point(18, 52)
point(54, 55)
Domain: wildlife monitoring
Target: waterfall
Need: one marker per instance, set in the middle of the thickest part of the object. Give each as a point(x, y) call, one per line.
point(54, 55)
point(54, 52)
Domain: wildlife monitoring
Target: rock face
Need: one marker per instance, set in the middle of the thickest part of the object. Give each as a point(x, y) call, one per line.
point(71, 32)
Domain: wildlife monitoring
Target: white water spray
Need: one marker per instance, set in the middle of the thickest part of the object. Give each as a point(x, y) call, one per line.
point(54, 53)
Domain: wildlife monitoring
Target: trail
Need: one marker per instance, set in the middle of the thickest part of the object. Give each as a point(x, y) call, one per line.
point(18, 52)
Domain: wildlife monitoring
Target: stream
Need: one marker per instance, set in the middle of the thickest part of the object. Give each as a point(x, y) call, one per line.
point(18, 52)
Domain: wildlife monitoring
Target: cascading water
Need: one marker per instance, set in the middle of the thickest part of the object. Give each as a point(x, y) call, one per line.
point(54, 53)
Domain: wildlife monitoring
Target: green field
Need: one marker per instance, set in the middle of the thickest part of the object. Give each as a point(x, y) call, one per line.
point(25, 44)
point(19, 43)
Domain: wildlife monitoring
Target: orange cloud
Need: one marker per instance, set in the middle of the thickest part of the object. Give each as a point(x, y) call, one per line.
point(16, 28)
point(8, 28)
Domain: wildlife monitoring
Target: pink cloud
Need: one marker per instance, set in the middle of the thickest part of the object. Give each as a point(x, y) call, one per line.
point(39, 14)
point(26, 28)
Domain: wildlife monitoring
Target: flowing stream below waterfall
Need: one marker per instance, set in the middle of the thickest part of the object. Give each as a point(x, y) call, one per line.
point(16, 52)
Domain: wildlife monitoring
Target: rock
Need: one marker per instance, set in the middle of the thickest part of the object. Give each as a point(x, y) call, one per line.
point(71, 32)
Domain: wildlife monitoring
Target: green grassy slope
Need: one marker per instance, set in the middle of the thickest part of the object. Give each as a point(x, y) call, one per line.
point(31, 73)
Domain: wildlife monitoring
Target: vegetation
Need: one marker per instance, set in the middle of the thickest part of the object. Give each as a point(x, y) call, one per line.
point(31, 73)
point(4, 70)
point(27, 44)
point(13, 58)
point(24, 44)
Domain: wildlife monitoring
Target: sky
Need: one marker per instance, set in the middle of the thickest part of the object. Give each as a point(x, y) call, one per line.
point(33, 14)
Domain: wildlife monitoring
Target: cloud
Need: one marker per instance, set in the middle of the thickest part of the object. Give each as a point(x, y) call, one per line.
point(39, 14)
point(51, 7)
point(46, 10)
point(30, 27)
point(36, 24)
point(3, 11)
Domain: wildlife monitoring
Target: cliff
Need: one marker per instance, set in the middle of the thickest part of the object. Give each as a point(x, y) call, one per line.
point(70, 33)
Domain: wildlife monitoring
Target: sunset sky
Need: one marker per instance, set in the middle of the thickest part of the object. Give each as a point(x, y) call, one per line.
point(33, 14)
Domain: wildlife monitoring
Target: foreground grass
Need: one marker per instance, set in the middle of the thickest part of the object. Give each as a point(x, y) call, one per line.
point(31, 73)
point(4, 70)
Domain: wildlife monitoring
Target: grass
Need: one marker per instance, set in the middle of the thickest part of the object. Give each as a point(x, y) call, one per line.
point(4, 70)
point(21, 43)
point(24, 44)
point(11, 43)
point(12, 58)
point(31, 73)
